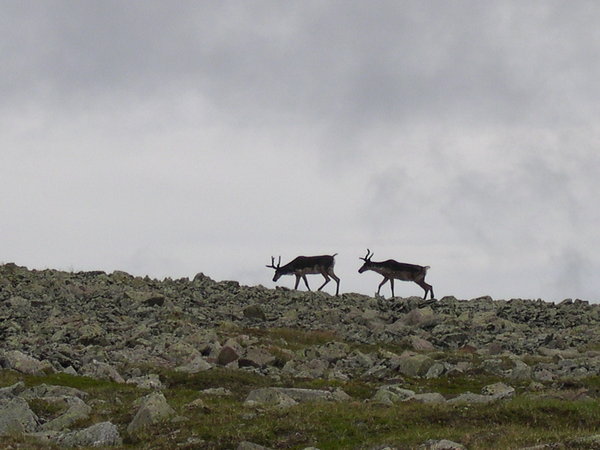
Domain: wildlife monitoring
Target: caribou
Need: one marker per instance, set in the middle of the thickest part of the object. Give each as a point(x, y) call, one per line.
point(306, 265)
point(393, 270)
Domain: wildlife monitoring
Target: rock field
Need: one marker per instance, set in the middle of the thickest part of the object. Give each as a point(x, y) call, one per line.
point(118, 327)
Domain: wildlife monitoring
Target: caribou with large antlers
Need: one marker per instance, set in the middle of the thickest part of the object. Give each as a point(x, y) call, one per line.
point(393, 270)
point(306, 265)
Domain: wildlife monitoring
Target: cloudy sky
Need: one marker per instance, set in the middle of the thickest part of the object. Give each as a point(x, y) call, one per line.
point(170, 138)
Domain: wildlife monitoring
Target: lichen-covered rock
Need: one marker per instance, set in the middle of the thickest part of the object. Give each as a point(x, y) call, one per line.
point(16, 417)
point(91, 334)
point(256, 357)
point(245, 445)
point(521, 371)
point(333, 351)
point(255, 312)
point(23, 363)
point(414, 365)
point(498, 390)
point(269, 397)
point(443, 444)
point(11, 391)
point(388, 395)
point(53, 320)
point(219, 392)
point(198, 405)
point(436, 370)
point(421, 345)
point(420, 318)
point(150, 381)
point(101, 371)
point(77, 410)
point(470, 397)
point(285, 397)
point(153, 409)
point(180, 352)
point(308, 395)
point(50, 390)
point(198, 364)
point(103, 434)
point(315, 368)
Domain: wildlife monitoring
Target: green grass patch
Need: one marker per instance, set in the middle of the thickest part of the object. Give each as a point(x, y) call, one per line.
point(225, 421)
point(407, 425)
point(239, 382)
point(451, 385)
point(46, 410)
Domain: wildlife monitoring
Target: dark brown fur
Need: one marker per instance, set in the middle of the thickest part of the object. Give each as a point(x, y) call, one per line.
point(393, 270)
point(306, 265)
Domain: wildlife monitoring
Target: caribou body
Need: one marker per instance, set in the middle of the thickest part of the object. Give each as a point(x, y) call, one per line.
point(393, 270)
point(306, 265)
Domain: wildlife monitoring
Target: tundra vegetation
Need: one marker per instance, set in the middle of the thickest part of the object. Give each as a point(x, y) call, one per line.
point(91, 360)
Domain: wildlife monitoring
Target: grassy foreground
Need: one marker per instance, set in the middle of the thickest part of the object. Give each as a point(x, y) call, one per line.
point(222, 422)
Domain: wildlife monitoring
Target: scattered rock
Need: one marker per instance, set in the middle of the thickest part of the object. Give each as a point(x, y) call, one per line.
point(521, 371)
point(269, 397)
point(308, 395)
point(23, 363)
point(285, 397)
point(217, 391)
point(421, 345)
point(76, 410)
point(101, 371)
point(146, 298)
point(333, 351)
point(315, 368)
point(229, 353)
point(16, 417)
point(198, 404)
point(153, 409)
point(553, 446)
point(420, 318)
point(198, 364)
point(388, 395)
point(254, 312)
point(150, 381)
point(91, 323)
point(245, 445)
point(443, 444)
point(588, 441)
point(256, 357)
point(498, 390)
point(103, 434)
point(118, 318)
point(435, 371)
point(11, 391)
point(50, 390)
point(469, 397)
point(414, 365)
point(431, 397)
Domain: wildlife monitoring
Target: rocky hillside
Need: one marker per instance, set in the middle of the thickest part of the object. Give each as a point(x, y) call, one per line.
point(71, 319)
point(128, 330)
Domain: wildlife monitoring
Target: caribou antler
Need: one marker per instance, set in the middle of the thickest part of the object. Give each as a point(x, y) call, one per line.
point(368, 257)
point(273, 266)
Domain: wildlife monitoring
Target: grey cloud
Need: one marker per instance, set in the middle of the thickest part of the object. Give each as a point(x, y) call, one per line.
point(176, 135)
point(571, 273)
point(343, 65)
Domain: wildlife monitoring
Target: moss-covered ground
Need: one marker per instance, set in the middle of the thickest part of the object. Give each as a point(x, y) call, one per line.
point(222, 422)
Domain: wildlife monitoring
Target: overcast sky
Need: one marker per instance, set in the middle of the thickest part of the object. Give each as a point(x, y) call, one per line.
point(170, 138)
